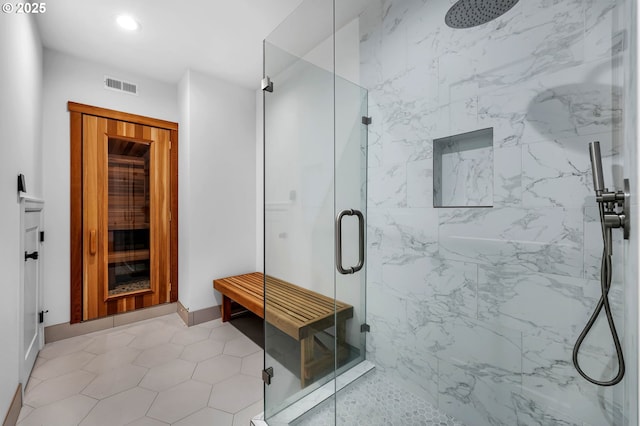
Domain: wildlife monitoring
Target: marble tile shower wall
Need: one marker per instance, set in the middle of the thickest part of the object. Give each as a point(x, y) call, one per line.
point(478, 308)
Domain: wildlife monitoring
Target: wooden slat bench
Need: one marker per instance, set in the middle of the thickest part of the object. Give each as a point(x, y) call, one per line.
point(296, 311)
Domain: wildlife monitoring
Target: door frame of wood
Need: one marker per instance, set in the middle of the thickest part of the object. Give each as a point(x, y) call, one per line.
point(76, 111)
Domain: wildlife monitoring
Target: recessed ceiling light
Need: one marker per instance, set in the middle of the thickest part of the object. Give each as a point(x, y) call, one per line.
point(127, 22)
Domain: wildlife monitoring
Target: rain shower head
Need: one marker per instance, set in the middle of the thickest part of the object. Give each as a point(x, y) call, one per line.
point(470, 13)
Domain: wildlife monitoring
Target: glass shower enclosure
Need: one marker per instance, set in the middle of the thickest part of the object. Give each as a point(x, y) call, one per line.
point(463, 153)
point(315, 157)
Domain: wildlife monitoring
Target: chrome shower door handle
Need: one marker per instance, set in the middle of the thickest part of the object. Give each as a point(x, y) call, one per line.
point(360, 264)
point(338, 241)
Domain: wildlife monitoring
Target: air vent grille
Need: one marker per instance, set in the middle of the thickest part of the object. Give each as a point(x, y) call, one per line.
point(129, 87)
point(111, 83)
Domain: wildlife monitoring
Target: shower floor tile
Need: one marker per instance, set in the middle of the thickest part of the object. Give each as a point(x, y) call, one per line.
point(376, 400)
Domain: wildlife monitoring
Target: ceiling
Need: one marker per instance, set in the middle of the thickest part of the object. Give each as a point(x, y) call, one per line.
point(221, 38)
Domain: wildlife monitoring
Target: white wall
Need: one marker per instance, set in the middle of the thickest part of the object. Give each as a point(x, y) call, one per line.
point(67, 78)
point(20, 152)
point(184, 186)
point(217, 185)
point(217, 174)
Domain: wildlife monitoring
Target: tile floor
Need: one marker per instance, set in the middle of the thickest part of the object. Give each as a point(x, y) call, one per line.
point(381, 401)
point(151, 373)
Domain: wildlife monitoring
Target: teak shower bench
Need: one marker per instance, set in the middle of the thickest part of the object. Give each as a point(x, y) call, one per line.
point(296, 311)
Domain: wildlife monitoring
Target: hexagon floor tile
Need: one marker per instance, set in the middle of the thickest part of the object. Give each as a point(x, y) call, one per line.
point(236, 393)
point(361, 400)
point(115, 381)
point(217, 369)
point(167, 375)
point(102, 344)
point(241, 346)
point(159, 372)
point(64, 364)
point(66, 412)
point(120, 409)
point(58, 388)
point(225, 332)
point(180, 401)
point(190, 335)
point(158, 355)
point(207, 416)
point(202, 350)
point(152, 373)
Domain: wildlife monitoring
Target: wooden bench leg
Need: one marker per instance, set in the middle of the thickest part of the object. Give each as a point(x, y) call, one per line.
point(225, 308)
point(341, 342)
point(306, 356)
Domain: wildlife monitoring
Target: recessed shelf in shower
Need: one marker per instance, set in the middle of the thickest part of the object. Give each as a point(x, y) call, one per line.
point(463, 170)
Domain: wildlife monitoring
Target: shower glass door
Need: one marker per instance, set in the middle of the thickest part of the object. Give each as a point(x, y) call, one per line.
point(315, 154)
point(351, 120)
point(298, 212)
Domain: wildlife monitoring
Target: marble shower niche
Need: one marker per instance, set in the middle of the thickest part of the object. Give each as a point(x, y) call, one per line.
point(463, 170)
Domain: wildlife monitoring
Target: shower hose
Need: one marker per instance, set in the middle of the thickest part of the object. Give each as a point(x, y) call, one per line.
point(605, 284)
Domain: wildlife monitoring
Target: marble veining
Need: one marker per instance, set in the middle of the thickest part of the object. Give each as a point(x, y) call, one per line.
point(476, 309)
point(543, 240)
point(463, 170)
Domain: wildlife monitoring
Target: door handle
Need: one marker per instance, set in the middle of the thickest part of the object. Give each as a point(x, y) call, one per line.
point(28, 256)
point(93, 245)
point(338, 237)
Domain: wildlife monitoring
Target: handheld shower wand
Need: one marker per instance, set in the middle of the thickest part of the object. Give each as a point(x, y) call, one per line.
point(608, 203)
point(596, 167)
point(598, 186)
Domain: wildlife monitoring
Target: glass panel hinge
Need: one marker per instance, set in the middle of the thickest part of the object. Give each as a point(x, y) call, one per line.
point(365, 328)
point(366, 120)
point(267, 84)
point(267, 374)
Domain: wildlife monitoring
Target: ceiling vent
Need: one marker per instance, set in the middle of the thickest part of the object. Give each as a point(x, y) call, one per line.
point(111, 83)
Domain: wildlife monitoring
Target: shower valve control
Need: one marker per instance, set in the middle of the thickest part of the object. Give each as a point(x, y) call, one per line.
point(614, 205)
point(616, 208)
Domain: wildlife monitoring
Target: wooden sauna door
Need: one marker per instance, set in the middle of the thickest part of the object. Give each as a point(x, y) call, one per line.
point(126, 204)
